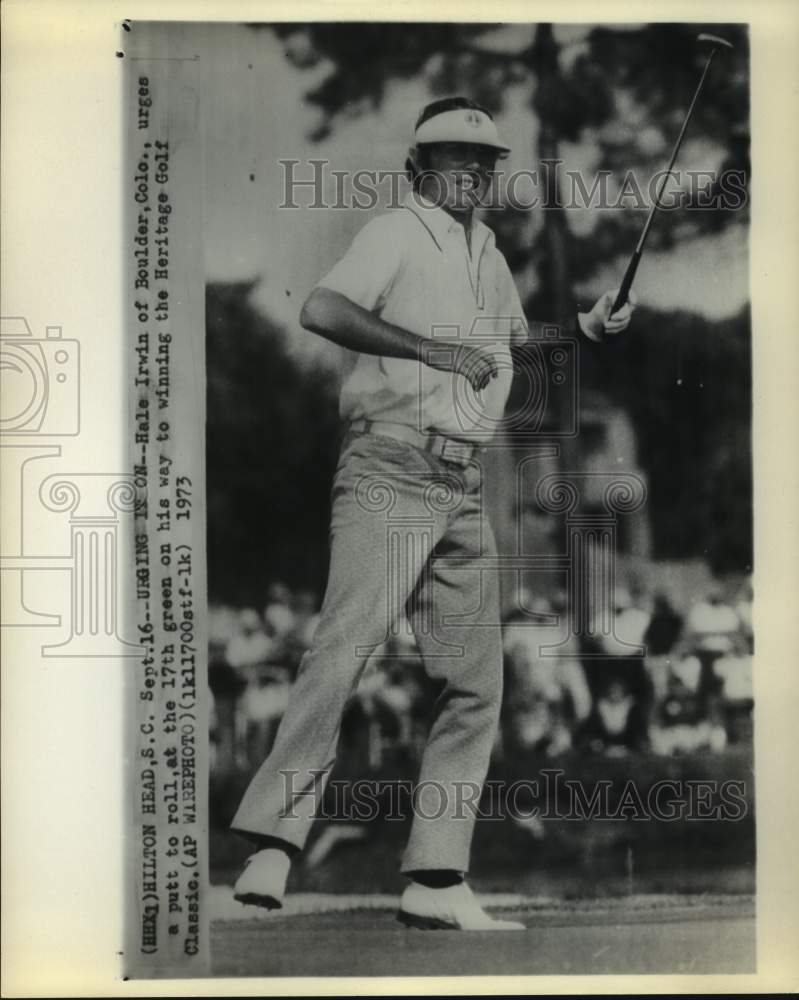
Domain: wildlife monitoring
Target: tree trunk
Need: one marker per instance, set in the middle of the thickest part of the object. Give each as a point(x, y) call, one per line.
point(554, 275)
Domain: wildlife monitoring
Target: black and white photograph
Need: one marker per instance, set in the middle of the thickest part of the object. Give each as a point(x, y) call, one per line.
point(479, 502)
point(429, 569)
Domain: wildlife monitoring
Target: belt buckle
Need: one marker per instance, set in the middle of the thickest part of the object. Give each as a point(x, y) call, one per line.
point(457, 452)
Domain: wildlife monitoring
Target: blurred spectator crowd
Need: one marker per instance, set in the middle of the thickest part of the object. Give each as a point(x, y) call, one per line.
point(653, 679)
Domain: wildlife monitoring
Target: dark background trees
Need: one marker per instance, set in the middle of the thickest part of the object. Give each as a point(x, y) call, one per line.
point(271, 439)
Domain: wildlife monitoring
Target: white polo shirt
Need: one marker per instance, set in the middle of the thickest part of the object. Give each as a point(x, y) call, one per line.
point(412, 267)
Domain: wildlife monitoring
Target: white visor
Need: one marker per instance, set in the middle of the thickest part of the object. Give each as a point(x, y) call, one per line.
point(462, 125)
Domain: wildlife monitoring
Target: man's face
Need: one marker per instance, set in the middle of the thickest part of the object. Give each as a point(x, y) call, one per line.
point(458, 175)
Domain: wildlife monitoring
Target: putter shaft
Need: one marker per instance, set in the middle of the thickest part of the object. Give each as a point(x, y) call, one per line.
point(632, 267)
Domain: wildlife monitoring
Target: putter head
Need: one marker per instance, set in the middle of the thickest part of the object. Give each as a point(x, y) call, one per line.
point(714, 40)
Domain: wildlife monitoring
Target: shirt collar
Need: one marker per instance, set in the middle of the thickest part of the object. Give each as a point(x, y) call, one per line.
point(440, 224)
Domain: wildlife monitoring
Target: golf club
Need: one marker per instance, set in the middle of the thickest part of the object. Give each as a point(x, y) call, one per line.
point(632, 267)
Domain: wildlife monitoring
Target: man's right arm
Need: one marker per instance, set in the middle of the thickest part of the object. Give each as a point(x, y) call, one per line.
point(335, 317)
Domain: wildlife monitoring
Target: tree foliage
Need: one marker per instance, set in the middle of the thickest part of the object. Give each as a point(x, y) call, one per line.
point(686, 384)
point(619, 79)
point(271, 442)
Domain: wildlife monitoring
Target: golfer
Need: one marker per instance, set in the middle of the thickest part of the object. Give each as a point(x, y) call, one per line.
point(428, 304)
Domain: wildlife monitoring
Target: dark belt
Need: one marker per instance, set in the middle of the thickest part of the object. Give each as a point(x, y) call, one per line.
point(448, 449)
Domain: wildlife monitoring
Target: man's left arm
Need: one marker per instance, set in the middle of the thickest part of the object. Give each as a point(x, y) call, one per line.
point(597, 324)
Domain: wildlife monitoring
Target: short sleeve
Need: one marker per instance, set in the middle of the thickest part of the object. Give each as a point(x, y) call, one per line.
point(367, 271)
point(511, 305)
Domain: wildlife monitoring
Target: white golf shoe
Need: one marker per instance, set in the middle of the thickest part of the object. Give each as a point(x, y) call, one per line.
point(454, 908)
point(263, 881)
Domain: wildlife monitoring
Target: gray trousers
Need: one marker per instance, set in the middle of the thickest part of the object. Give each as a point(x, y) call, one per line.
point(394, 507)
